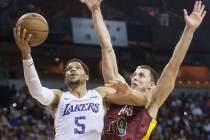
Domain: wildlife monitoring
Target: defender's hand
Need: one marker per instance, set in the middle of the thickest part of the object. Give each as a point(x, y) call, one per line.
point(92, 4)
point(121, 87)
point(196, 17)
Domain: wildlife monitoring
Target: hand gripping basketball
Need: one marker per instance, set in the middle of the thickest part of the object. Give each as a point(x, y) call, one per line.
point(36, 25)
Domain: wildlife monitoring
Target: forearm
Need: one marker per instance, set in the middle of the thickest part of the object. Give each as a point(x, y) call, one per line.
point(181, 50)
point(107, 68)
point(101, 30)
point(44, 95)
point(171, 70)
point(129, 97)
point(135, 98)
point(109, 62)
point(166, 83)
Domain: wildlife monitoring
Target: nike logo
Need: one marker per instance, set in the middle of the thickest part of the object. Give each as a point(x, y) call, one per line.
point(66, 98)
point(94, 97)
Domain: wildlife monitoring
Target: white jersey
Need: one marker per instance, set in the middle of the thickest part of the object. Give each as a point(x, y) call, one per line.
point(79, 118)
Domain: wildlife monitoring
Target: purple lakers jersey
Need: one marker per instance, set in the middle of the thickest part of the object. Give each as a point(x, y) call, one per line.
point(128, 123)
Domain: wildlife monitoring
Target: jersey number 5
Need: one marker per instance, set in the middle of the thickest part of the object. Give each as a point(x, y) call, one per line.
point(80, 127)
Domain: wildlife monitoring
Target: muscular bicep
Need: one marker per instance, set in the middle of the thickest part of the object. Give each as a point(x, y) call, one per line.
point(109, 62)
point(164, 87)
point(44, 95)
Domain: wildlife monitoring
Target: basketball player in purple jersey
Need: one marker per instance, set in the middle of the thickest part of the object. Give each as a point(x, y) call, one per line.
point(137, 123)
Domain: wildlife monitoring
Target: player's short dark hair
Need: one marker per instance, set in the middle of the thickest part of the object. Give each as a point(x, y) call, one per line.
point(85, 67)
point(153, 73)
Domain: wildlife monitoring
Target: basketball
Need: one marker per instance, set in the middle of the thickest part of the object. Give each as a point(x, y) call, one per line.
point(36, 25)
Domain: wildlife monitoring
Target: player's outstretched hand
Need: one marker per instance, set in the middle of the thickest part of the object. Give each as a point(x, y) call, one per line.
point(196, 17)
point(21, 40)
point(92, 4)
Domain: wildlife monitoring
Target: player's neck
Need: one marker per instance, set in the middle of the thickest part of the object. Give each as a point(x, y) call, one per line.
point(78, 91)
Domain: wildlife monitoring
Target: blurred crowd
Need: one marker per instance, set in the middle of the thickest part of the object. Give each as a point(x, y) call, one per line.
point(25, 119)
point(183, 117)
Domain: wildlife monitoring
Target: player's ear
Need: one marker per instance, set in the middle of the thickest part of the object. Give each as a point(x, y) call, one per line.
point(87, 77)
point(152, 84)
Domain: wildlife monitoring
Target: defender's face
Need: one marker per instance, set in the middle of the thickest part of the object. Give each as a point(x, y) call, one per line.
point(141, 79)
point(75, 74)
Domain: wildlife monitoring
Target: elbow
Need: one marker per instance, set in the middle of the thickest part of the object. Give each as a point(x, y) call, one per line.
point(106, 45)
point(36, 94)
point(35, 88)
point(143, 102)
point(171, 88)
point(40, 96)
point(173, 68)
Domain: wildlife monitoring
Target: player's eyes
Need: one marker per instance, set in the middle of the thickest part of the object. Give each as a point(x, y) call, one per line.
point(141, 75)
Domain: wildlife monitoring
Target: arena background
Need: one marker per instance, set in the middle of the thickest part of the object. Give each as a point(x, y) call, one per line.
point(143, 32)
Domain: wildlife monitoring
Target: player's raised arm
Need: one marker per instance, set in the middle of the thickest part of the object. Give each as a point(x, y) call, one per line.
point(119, 92)
point(167, 79)
point(109, 62)
point(44, 95)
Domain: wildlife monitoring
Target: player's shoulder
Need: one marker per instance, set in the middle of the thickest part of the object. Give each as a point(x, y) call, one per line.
point(57, 92)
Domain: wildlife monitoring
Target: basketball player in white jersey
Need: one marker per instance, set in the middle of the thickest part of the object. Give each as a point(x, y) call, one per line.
point(78, 113)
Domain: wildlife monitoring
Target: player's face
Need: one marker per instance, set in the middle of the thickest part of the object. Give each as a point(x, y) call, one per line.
point(75, 74)
point(141, 79)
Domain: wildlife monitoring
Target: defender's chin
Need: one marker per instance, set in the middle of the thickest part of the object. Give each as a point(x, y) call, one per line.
point(74, 82)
